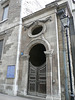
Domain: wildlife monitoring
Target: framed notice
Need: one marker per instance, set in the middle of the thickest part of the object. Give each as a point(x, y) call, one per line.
point(11, 71)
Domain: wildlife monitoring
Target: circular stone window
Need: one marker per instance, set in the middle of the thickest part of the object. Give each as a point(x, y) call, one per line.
point(37, 30)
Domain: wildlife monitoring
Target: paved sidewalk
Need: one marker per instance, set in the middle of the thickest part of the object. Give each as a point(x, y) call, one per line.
point(7, 97)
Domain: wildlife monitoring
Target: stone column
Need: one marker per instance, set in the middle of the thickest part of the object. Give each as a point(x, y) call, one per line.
point(25, 73)
point(49, 74)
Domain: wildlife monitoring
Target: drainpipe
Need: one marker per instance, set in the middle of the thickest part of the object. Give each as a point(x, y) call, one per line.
point(18, 53)
point(72, 95)
point(60, 13)
point(65, 66)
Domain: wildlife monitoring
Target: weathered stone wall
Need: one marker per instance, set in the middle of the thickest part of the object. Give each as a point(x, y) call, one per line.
point(9, 30)
point(48, 36)
point(51, 38)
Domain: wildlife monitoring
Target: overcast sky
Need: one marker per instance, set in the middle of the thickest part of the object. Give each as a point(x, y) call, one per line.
point(31, 6)
point(44, 2)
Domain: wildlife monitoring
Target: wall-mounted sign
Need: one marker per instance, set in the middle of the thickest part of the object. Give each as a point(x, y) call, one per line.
point(21, 53)
point(11, 71)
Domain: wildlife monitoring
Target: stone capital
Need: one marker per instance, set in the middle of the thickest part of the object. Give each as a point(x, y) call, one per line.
point(49, 52)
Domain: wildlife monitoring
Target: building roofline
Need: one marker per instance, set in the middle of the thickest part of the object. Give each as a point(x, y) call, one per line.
point(49, 7)
point(66, 4)
point(52, 6)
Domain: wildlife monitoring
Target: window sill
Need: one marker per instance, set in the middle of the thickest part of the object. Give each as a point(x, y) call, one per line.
point(3, 21)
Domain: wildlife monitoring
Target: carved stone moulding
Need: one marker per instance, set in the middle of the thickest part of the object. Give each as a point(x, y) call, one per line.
point(36, 29)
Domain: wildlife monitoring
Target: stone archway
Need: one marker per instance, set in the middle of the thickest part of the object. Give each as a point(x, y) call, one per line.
point(37, 71)
point(46, 64)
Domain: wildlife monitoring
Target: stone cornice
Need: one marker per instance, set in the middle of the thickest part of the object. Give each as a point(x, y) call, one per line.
point(65, 5)
point(44, 10)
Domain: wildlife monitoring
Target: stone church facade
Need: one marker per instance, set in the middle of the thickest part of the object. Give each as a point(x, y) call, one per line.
point(32, 52)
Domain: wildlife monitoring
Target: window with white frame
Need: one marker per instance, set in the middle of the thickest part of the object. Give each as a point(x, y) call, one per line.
point(5, 12)
point(1, 46)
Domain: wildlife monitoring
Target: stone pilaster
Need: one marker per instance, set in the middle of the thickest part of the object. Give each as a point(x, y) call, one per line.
point(49, 74)
point(25, 73)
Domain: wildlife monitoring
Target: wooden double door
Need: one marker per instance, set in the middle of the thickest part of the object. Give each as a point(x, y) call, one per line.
point(37, 80)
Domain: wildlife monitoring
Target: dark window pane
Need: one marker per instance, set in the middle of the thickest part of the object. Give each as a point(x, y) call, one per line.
point(5, 13)
point(1, 45)
point(37, 56)
point(37, 30)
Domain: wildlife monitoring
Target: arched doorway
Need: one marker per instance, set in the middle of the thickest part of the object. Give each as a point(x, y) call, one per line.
point(37, 71)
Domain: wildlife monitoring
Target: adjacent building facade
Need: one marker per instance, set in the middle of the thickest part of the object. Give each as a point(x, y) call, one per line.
point(33, 50)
